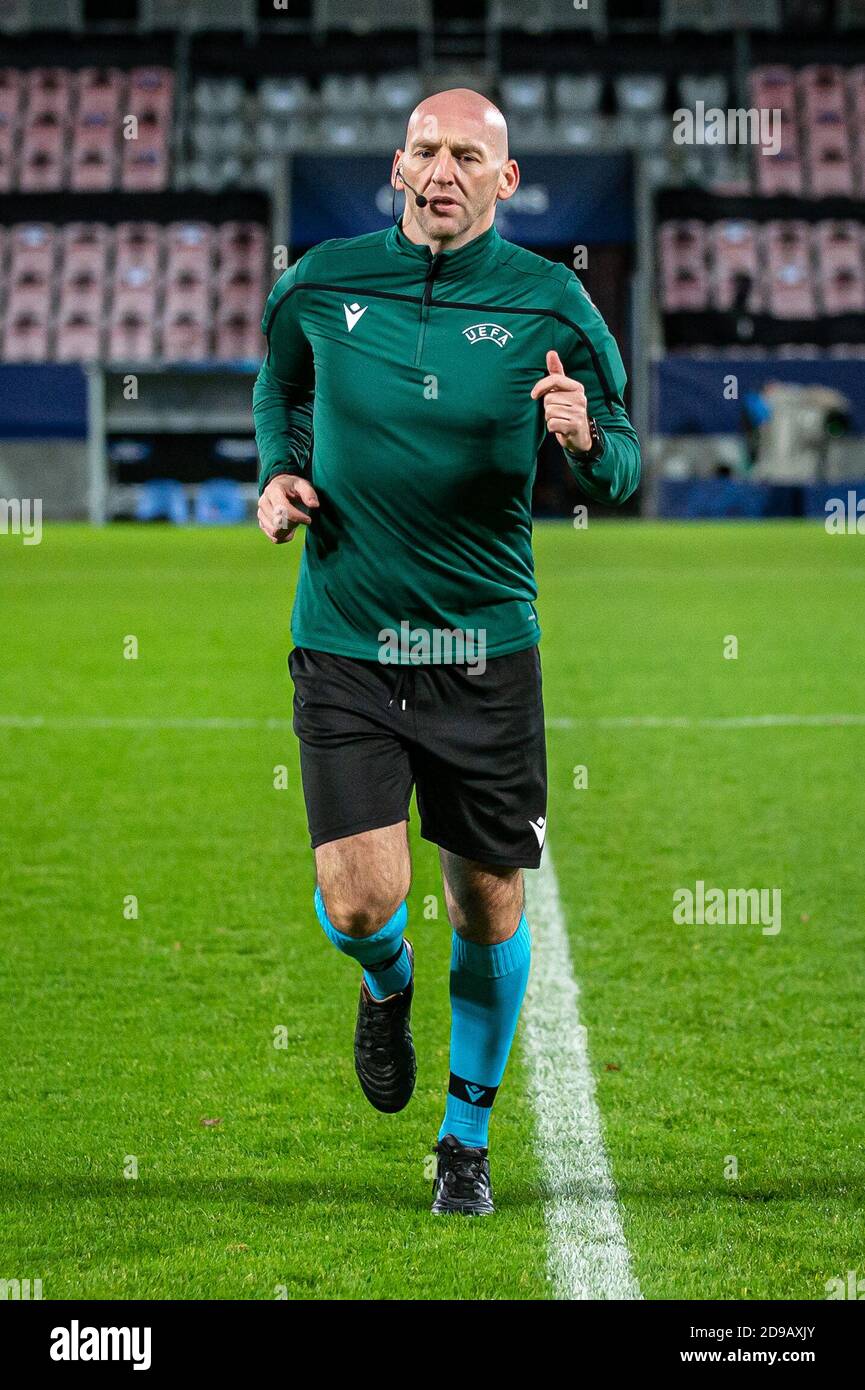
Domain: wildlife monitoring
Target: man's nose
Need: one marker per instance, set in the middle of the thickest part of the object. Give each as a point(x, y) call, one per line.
point(444, 169)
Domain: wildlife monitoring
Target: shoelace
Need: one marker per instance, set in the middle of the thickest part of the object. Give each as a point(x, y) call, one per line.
point(376, 1033)
point(464, 1175)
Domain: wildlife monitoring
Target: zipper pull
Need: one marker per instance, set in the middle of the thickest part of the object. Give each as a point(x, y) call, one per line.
point(432, 271)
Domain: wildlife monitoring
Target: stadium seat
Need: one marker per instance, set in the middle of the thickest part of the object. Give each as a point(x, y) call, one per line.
point(219, 502)
point(17, 16)
point(79, 336)
point(541, 16)
point(830, 167)
point(345, 94)
point(709, 16)
point(684, 279)
point(26, 336)
point(219, 96)
point(774, 88)
point(195, 15)
point(32, 247)
point(823, 91)
point(185, 336)
point(239, 337)
point(84, 247)
point(789, 271)
point(286, 96)
point(162, 499)
point(842, 275)
point(241, 244)
point(131, 338)
point(735, 272)
point(712, 89)
point(366, 16)
point(138, 243)
point(396, 93)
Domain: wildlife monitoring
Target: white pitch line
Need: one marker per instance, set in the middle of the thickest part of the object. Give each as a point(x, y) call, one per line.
point(638, 721)
point(588, 1254)
point(735, 721)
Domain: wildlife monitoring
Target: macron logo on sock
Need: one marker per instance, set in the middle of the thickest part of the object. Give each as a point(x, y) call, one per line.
point(473, 1092)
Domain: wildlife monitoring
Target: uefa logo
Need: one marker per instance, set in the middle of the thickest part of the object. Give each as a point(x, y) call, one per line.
point(492, 332)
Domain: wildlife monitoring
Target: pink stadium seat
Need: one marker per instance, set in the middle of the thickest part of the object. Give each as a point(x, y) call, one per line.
point(239, 336)
point(7, 159)
point(189, 246)
point(48, 89)
point(92, 166)
point(823, 92)
point(240, 291)
point(684, 279)
point(735, 263)
point(185, 337)
point(241, 244)
point(145, 160)
point(43, 153)
point(79, 336)
point(138, 243)
point(84, 247)
point(134, 292)
point(774, 88)
point(789, 270)
point(188, 292)
point(151, 89)
point(144, 169)
point(100, 91)
point(830, 167)
point(10, 92)
point(32, 247)
point(842, 275)
point(30, 291)
point(25, 337)
point(131, 338)
point(781, 172)
point(82, 292)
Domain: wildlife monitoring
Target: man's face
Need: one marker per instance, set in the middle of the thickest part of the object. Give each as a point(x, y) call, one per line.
point(457, 166)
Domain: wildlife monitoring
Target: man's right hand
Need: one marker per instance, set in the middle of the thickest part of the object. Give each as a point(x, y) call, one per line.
point(278, 512)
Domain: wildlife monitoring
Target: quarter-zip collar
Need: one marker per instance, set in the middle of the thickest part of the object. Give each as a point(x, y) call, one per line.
point(449, 265)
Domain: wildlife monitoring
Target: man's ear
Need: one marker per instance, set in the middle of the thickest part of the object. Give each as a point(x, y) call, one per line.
point(509, 180)
point(394, 169)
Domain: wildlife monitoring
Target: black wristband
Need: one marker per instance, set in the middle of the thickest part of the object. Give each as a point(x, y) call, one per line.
point(597, 445)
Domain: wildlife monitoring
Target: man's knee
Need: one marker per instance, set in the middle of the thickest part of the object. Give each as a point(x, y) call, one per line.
point(361, 912)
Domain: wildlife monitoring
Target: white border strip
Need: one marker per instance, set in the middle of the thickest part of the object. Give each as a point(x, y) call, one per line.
point(588, 1254)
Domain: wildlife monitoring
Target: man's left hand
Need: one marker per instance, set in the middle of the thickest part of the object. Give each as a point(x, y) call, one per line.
point(565, 406)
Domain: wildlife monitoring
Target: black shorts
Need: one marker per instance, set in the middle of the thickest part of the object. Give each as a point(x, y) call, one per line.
point(471, 744)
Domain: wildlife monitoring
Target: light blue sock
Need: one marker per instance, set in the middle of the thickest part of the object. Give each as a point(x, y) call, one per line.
point(385, 960)
point(487, 987)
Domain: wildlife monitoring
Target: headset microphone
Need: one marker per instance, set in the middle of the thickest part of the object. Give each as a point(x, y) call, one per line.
point(418, 197)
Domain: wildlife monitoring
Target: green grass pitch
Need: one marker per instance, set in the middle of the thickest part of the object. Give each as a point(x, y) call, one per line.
point(123, 1033)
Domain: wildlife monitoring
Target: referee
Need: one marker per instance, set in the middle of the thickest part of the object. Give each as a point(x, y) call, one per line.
point(410, 377)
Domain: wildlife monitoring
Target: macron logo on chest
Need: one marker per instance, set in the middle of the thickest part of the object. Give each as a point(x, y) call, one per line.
point(354, 313)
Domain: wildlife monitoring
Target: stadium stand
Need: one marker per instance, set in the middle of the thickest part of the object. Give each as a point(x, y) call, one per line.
point(139, 291)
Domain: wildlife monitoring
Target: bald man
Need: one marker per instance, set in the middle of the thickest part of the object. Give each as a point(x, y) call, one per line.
point(410, 378)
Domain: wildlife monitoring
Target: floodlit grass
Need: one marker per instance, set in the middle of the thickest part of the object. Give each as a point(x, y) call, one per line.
point(124, 1032)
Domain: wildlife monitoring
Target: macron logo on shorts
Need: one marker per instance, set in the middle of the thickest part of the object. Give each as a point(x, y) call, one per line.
point(540, 828)
point(353, 313)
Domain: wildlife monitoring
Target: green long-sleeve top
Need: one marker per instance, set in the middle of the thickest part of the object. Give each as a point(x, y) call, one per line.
point(399, 383)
